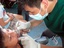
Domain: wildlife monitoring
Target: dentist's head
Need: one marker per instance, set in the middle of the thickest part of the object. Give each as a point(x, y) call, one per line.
point(37, 9)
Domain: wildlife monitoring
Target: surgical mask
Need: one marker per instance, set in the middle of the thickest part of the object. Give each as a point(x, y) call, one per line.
point(39, 16)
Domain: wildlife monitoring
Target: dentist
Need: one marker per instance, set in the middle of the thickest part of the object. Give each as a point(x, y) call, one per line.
point(49, 11)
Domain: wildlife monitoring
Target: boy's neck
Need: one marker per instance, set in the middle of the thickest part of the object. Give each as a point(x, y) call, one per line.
point(12, 47)
point(16, 46)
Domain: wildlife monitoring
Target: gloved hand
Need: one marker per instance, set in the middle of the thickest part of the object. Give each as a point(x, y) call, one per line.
point(28, 42)
point(23, 25)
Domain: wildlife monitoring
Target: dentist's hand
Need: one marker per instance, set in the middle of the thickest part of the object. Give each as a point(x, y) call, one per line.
point(23, 31)
point(23, 27)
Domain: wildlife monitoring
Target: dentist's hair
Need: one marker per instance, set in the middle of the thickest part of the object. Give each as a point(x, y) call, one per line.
point(1, 39)
point(30, 3)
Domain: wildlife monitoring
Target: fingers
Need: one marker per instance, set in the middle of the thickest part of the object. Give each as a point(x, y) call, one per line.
point(10, 16)
point(23, 31)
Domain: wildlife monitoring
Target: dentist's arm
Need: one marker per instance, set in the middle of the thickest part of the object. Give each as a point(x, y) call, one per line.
point(31, 24)
point(18, 17)
point(35, 22)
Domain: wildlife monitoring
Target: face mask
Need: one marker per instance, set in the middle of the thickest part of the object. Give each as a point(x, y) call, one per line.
point(39, 16)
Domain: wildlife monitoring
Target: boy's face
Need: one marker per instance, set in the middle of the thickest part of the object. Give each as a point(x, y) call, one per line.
point(10, 38)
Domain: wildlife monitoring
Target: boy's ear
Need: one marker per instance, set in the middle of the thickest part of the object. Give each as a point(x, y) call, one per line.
point(45, 2)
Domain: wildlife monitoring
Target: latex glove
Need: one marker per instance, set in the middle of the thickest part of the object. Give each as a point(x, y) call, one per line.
point(23, 25)
point(28, 42)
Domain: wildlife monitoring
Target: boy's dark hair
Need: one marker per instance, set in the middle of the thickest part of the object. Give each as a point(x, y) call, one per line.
point(1, 39)
point(30, 3)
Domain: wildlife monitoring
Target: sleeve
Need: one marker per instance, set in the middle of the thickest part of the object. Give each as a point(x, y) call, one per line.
point(1, 13)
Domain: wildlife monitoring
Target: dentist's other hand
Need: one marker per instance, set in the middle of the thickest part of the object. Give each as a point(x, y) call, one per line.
point(23, 31)
point(23, 27)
